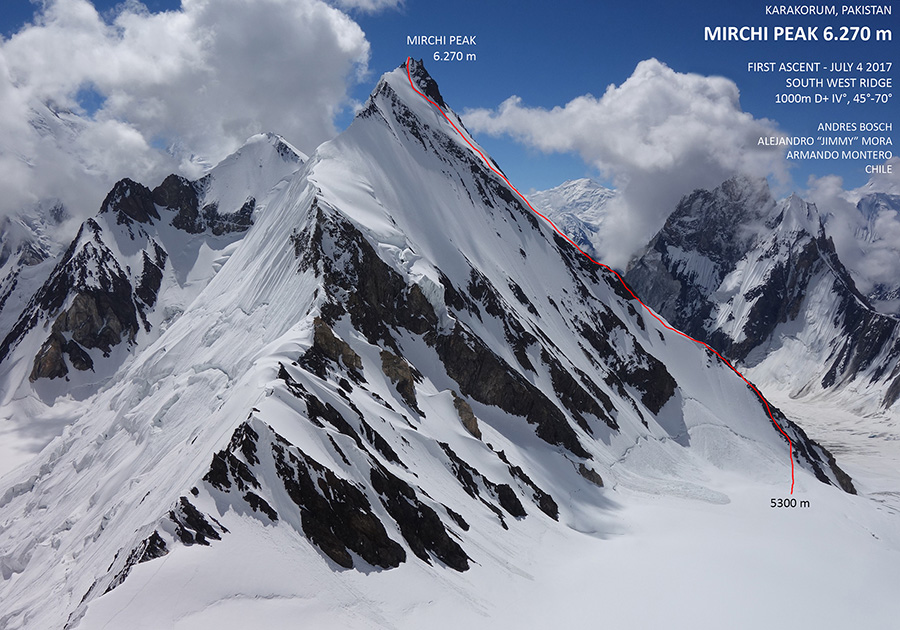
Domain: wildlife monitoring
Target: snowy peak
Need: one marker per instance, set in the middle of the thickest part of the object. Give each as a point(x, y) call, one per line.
point(225, 198)
point(577, 207)
point(872, 253)
point(584, 198)
point(398, 101)
point(419, 75)
point(718, 223)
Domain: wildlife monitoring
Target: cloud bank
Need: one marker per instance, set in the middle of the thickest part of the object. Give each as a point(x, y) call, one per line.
point(658, 135)
point(866, 234)
point(87, 99)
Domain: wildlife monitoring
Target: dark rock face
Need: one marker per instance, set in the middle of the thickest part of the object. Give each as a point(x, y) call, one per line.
point(49, 362)
point(541, 498)
point(402, 376)
point(478, 485)
point(334, 348)
point(192, 527)
point(379, 300)
point(420, 525)
point(485, 377)
point(177, 193)
point(425, 83)
point(131, 202)
point(150, 549)
point(94, 320)
point(151, 277)
point(335, 515)
point(80, 359)
point(182, 195)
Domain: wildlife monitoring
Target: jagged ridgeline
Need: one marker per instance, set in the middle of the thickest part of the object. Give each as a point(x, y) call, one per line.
point(396, 368)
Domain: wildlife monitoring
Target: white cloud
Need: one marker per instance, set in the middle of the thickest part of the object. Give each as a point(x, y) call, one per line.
point(657, 136)
point(370, 6)
point(866, 238)
point(202, 79)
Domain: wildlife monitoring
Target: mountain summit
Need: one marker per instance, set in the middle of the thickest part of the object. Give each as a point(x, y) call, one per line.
point(397, 375)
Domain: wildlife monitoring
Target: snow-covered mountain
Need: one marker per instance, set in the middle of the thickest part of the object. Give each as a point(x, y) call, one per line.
point(29, 245)
point(128, 274)
point(578, 208)
point(760, 281)
point(398, 376)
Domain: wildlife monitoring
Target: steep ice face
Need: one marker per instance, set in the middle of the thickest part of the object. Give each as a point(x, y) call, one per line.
point(399, 370)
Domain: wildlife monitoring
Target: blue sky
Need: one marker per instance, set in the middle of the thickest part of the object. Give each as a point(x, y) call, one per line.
point(550, 53)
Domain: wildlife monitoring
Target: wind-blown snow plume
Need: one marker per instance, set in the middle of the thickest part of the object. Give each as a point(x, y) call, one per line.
point(657, 135)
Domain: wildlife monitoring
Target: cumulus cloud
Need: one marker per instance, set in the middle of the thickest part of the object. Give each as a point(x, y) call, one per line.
point(658, 135)
point(87, 99)
point(369, 6)
point(865, 228)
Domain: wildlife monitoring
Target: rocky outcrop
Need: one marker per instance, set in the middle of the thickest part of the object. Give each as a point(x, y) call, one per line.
point(184, 196)
point(335, 349)
point(591, 475)
point(49, 362)
point(402, 376)
point(94, 320)
point(466, 415)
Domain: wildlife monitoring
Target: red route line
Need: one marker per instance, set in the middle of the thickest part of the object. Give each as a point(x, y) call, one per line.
point(610, 269)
